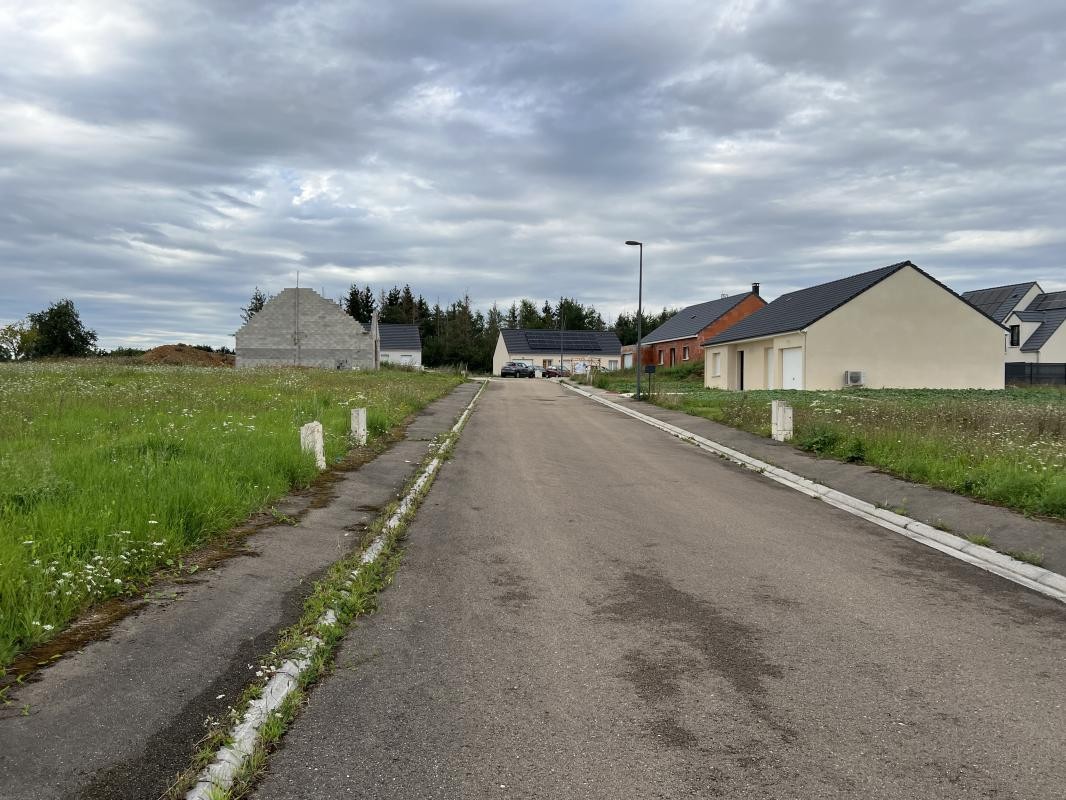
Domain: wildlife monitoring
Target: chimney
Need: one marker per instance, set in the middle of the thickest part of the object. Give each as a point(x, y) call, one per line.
point(755, 289)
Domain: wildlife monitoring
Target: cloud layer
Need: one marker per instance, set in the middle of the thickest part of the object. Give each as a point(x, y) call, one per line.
point(160, 159)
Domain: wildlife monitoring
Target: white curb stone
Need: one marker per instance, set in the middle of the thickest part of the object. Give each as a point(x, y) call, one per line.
point(1032, 577)
point(221, 773)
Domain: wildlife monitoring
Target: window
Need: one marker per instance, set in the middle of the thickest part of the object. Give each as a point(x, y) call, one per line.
point(716, 365)
point(1015, 335)
point(660, 358)
point(684, 353)
point(612, 364)
point(406, 359)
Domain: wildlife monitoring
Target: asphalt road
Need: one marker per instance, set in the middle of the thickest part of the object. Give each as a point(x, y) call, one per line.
point(589, 608)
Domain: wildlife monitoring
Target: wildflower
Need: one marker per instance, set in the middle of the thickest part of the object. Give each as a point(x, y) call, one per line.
point(152, 522)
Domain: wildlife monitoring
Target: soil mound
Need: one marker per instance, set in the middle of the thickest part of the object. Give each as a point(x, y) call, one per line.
point(184, 355)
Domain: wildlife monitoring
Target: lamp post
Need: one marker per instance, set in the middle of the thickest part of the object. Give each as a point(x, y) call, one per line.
point(640, 300)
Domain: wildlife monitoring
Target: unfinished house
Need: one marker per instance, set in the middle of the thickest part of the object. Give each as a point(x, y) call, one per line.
point(300, 328)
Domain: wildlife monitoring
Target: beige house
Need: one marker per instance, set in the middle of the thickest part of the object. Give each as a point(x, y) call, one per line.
point(894, 327)
point(1034, 320)
point(548, 348)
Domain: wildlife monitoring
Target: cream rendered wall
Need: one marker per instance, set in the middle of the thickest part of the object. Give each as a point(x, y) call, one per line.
point(1028, 297)
point(720, 381)
point(1054, 349)
point(1015, 354)
point(906, 332)
point(499, 356)
point(754, 362)
point(395, 357)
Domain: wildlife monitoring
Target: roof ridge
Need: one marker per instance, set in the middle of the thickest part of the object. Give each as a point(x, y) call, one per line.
point(1004, 286)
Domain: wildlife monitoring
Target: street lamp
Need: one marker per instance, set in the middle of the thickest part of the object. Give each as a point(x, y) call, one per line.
point(640, 300)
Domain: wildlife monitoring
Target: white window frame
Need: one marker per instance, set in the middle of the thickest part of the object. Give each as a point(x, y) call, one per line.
point(661, 357)
point(684, 352)
point(716, 365)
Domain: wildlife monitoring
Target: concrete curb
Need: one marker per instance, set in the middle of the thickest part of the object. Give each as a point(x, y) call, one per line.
point(1032, 577)
point(219, 776)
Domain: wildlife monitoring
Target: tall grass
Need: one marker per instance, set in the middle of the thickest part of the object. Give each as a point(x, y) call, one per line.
point(109, 471)
point(1006, 447)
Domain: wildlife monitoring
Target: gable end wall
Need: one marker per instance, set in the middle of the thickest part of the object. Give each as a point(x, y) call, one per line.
point(906, 332)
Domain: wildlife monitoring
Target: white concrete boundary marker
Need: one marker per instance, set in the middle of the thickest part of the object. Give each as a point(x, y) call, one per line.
point(358, 433)
point(1036, 578)
point(311, 441)
point(220, 774)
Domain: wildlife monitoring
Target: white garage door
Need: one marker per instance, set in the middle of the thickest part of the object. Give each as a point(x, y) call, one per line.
point(792, 368)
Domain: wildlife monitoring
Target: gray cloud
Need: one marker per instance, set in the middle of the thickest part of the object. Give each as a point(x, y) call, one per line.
point(159, 160)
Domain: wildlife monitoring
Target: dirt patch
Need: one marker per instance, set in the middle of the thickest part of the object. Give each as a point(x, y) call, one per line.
point(184, 355)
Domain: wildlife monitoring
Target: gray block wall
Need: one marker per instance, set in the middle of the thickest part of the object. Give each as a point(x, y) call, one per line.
point(328, 338)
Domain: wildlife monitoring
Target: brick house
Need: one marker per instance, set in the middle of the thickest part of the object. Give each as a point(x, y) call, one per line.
point(677, 341)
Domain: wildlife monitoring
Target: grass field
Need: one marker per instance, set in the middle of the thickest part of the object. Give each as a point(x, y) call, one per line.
point(109, 472)
point(1006, 447)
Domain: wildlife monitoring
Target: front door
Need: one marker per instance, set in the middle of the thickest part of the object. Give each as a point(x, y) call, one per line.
point(792, 368)
point(671, 356)
point(740, 370)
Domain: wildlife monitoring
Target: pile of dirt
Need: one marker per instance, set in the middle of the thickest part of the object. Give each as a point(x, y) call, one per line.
point(184, 355)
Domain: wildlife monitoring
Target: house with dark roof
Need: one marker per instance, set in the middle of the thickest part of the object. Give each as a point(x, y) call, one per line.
point(896, 326)
point(400, 344)
point(549, 348)
point(1034, 320)
point(677, 340)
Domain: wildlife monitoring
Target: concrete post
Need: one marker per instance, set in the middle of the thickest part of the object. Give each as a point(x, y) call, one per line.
point(359, 433)
point(780, 420)
point(311, 441)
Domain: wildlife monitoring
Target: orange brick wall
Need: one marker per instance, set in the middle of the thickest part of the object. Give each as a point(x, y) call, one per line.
point(744, 308)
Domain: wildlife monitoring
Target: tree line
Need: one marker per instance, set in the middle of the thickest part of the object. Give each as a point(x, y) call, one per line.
point(457, 333)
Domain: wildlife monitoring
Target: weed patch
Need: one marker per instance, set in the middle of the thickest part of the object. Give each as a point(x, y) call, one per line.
point(113, 471)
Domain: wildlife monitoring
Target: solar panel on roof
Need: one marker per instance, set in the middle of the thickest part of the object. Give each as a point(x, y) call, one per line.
point(548, 341)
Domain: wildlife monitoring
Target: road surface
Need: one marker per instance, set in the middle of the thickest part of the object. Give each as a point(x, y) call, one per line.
point(589, 608)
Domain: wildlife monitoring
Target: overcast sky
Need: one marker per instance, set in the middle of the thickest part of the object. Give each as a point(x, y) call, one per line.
point(158, 160)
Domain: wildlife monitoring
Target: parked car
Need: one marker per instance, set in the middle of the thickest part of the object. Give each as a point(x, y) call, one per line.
point(556, 372)
point(516, 369)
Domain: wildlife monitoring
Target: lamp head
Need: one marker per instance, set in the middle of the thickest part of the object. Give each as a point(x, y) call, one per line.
point(631, 242)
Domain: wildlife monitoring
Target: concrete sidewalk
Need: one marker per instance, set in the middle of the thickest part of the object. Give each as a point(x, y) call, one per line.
point(121, 718)
point(960, 515)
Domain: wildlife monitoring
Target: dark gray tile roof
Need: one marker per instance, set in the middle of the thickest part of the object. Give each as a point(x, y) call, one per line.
point(998, 301)
point(395, 336)
point(529, 341)
point(691, 320)
point(1030, 316)
point(797, 310)
point(1048, 301)
point(399, 337)
point(1052, 322)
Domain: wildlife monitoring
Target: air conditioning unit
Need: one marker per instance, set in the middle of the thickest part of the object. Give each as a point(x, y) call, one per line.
point(854, 377)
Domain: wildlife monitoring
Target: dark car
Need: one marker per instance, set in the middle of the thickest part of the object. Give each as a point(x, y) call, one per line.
point(556, 372)
point(516, 369)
